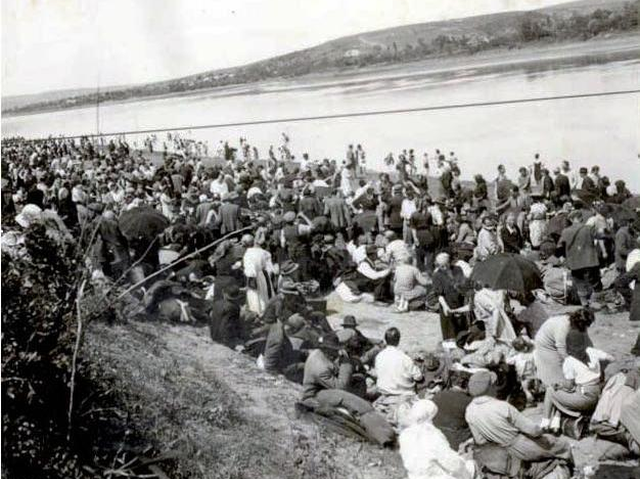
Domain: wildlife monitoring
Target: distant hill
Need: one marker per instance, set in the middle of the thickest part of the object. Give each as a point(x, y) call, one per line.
point(574, 21)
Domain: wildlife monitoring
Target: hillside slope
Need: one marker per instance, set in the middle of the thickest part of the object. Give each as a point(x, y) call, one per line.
point(218, 414)
point(575, 21)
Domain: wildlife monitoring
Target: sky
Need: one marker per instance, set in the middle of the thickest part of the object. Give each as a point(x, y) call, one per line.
point(59, 44)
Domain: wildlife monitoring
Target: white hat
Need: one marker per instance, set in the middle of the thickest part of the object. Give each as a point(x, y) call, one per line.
point(28, 215)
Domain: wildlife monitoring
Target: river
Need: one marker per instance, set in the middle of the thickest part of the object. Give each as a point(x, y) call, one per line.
point(598, 130)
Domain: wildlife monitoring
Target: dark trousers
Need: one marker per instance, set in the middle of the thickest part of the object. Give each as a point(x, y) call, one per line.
point(453, 325)
point(379, 287)
point(586, 281)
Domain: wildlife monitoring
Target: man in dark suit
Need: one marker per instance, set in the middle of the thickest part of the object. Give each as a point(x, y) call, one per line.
point(562, 185)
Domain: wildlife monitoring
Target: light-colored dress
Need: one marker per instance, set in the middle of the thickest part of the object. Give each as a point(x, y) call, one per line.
point(257, 267)
point(490, 307)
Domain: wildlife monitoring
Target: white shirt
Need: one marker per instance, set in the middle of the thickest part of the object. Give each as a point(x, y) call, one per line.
point(218, 188)
point(582, 373)
point(365, 269)
point(358, 253)
point(407, 209)
point(396, 372)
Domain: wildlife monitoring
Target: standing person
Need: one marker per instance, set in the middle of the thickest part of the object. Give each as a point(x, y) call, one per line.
point(562, 186)
point(579, 242)
point(395, 209)
point(448, 285)
point(570, 174)
point(258, 269)
point(423, 239)
point(337, 210)
point(407, 209)
point(229, 214)
point(537, 222)
point(361, 159)
point(547, 184)
point(502, 185)
point(625, 242)
point(551, 344)
point(352, 160)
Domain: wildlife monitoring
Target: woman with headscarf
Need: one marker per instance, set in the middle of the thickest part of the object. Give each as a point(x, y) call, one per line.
point(258, 269)
point(425, 451)
point(491, 306)
point(580, 388)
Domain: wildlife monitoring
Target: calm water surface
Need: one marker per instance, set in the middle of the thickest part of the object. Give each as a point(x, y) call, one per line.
point(603, 130)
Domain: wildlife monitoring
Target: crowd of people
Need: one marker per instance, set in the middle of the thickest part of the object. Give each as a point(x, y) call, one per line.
point(253, 247)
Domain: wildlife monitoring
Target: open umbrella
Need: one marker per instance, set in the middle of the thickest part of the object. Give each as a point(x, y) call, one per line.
point(632, 203)
point(142, 223)
point(508, 271)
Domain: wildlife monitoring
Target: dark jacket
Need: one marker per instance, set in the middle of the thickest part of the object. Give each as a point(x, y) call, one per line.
point(321, 373)
point(563, 187)
point(512, 241)
point(278, 350)
point(224, 324)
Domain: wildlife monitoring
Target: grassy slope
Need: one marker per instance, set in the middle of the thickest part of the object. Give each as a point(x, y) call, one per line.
point(223, 416)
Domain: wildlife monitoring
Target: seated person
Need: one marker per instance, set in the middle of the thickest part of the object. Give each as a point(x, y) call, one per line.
point(522, 359)
point(369, 279)
point(452, 404)
point(424, 448)
point(607, 421)
point(409, 285)
point(279, 355)
point(225, 325)
point(327, 380)
point(579, 392)
point(352, 338)
point(396, 376)
point(496, 422)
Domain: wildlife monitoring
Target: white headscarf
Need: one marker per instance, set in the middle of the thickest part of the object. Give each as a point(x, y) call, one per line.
point(425, 451)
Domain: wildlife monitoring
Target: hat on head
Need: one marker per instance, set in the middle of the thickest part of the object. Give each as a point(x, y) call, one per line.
point(328, 238)
point(289, 217)
point(288, 267)
point(349, 321)
point(329, 341)
point(480, 383)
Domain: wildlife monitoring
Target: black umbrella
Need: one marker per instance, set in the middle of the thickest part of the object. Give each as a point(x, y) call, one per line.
point(142, 223)
point(632, 203)
point(508, 271)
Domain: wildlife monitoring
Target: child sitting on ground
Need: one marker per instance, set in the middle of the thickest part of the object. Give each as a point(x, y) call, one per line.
point(522, 359)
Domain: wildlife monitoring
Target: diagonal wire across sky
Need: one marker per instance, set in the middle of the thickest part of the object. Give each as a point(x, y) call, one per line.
point(358, 114)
